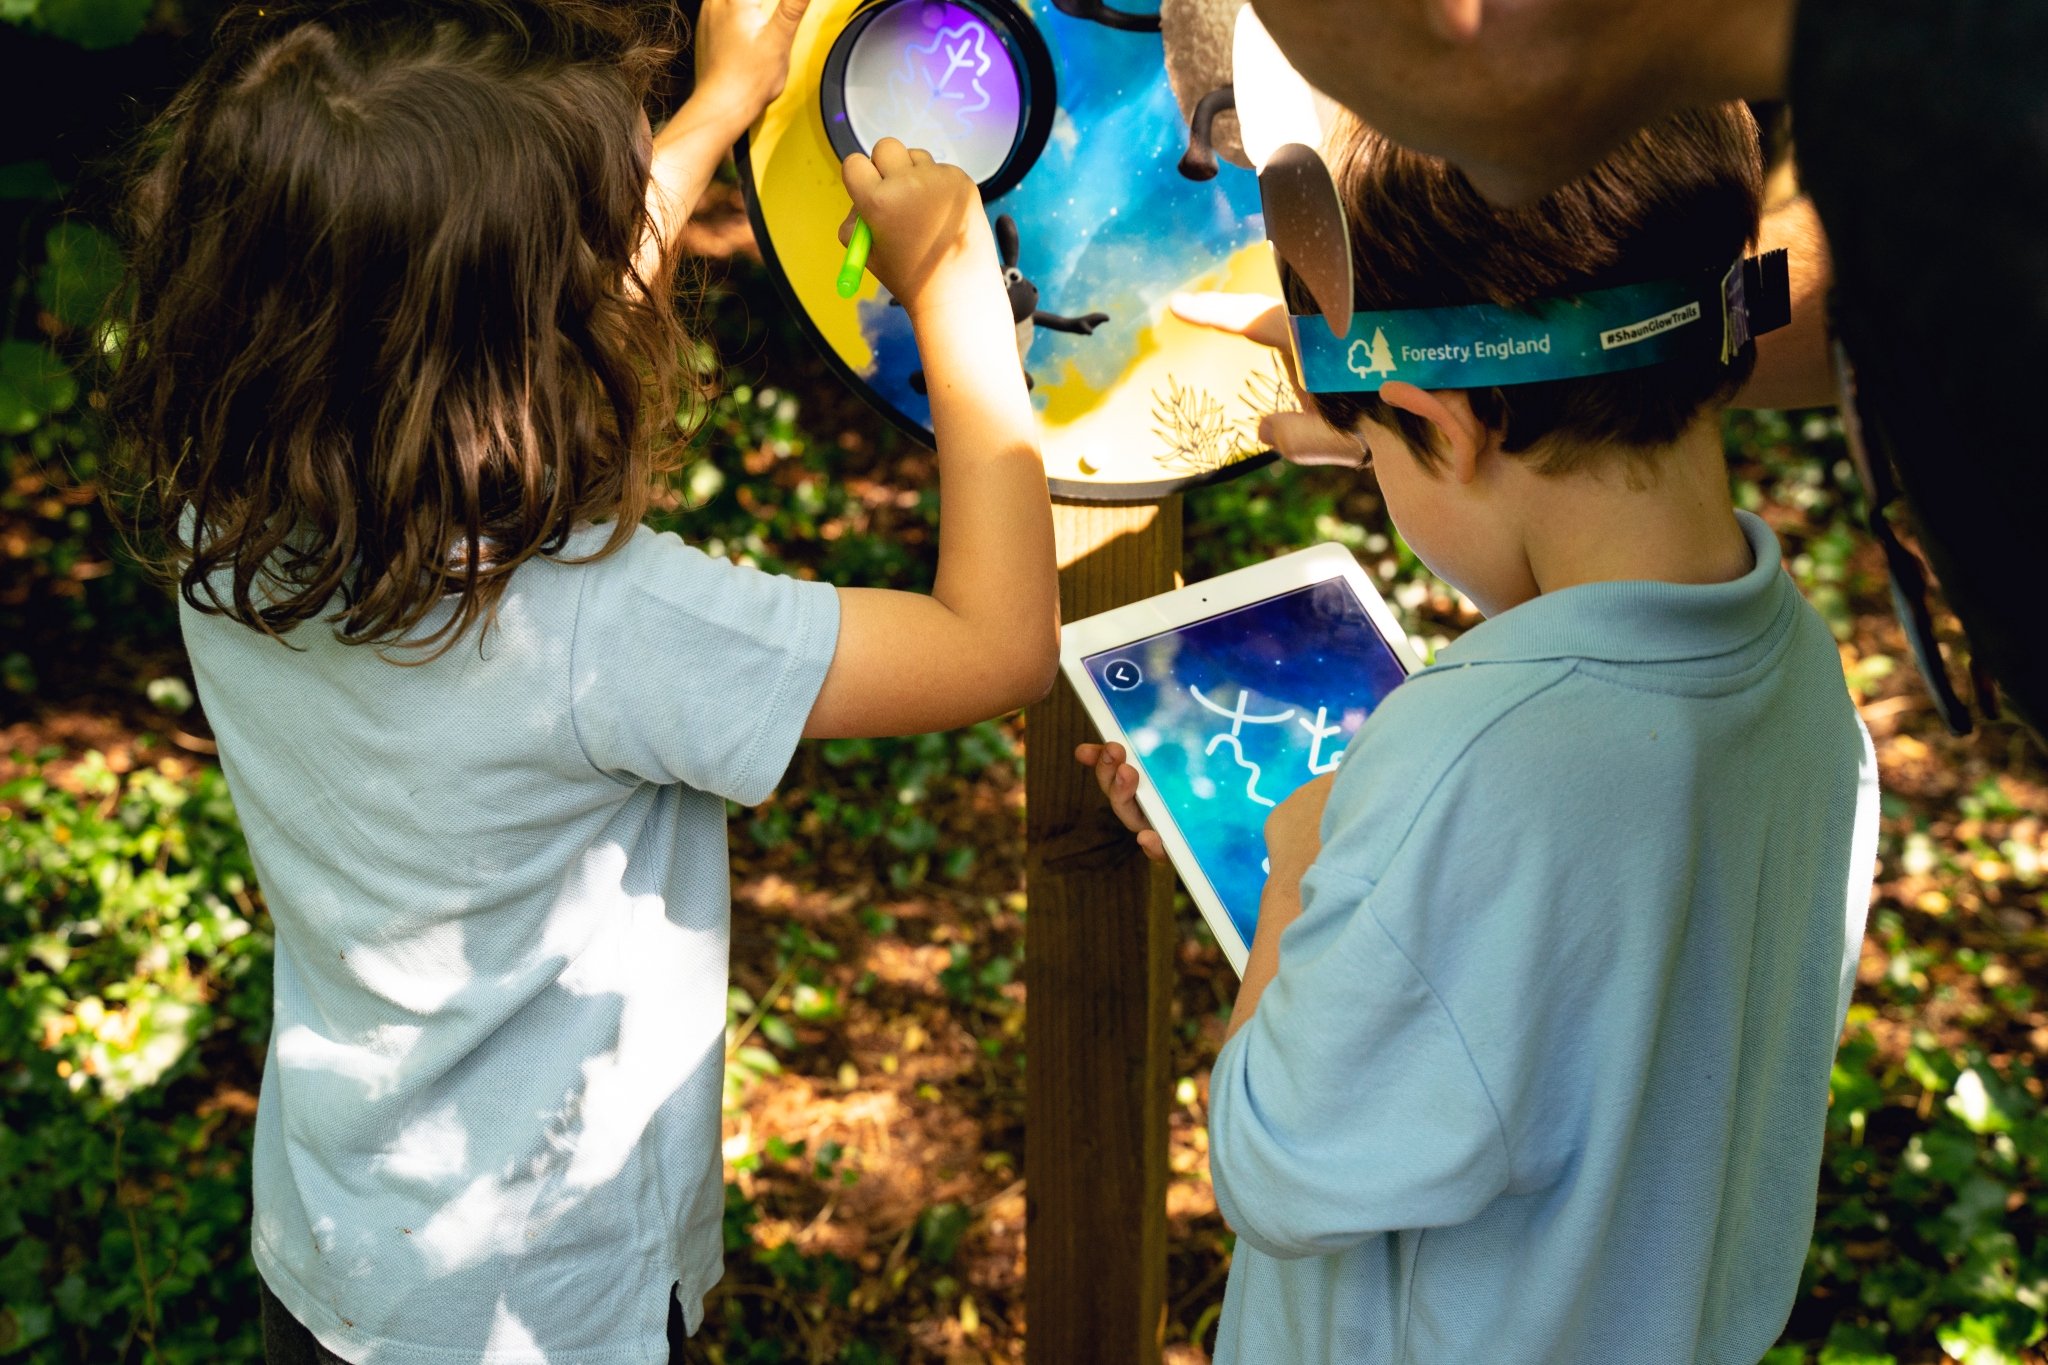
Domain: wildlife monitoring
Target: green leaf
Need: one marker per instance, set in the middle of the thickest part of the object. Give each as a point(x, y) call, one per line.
point(26, 180)
point(169, 694)
point(1976, 1103)
point(23, 1325)
point(70, 1297)
point(33, 385)
point(1978, 1208)
point(1854, 1344)
point(1940, 1154)
point(18, 673)
point(939, 1231)
point(95, 24)
point(1977, 1339)
point(814, 1004)
point(776, 1030)
point(758, 1060)
point(1930, 1070)
point(83, 271)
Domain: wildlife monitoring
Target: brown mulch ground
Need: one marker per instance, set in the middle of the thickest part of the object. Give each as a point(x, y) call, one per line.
point(923, 1093)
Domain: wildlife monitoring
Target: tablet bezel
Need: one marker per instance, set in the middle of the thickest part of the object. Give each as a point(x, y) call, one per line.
point(1136, 621)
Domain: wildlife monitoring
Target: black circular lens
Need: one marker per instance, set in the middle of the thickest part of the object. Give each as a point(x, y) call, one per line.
point(970, 81)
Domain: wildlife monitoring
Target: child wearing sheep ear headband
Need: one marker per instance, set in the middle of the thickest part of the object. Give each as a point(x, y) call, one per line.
point(1531, 1056)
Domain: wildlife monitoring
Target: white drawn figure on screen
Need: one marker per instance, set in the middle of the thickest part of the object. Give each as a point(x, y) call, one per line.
point(946, 71)
point(1319, 730)
point(1239, 717)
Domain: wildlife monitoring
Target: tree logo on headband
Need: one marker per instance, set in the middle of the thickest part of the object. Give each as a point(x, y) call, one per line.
point(1366, 359)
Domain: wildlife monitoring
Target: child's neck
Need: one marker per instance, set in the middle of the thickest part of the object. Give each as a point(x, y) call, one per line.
point(1665, 518)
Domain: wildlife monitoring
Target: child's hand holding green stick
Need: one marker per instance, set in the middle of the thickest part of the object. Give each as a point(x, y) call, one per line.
point(856, 260)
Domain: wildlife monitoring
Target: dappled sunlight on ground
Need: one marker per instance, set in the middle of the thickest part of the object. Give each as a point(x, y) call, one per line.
point(873, 1137)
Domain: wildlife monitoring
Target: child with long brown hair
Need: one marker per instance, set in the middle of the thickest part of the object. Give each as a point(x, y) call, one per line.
point(398, 386)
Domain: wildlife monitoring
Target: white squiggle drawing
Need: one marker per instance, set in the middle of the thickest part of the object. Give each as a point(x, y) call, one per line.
point(1319, 730)
point(962, 49)
point(1239, 717)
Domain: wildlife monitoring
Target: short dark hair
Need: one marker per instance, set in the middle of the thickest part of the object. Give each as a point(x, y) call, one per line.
point(388, 341)
point(1679, 197)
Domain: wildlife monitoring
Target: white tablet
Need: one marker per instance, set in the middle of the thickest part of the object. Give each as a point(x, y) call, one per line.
point(1229, 694)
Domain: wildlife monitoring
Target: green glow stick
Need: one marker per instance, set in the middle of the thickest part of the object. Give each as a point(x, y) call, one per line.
point(856, 261)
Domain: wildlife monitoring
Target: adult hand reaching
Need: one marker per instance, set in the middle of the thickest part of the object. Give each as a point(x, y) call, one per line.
point(743, 54)
point(742, 51)
point(1298, 437)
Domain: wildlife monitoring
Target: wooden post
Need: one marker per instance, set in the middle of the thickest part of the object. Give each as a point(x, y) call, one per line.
point(1098, 972)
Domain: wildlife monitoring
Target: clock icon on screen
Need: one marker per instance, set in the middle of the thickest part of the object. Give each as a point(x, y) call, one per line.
point(1122, 675)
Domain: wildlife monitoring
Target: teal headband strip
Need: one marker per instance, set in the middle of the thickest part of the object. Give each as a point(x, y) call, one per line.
point(1605, 331)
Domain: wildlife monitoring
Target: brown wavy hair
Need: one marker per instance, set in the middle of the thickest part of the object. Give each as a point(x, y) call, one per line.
point(388, 341)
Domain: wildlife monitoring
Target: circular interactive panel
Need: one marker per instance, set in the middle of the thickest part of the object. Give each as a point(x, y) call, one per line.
point(1075, 135)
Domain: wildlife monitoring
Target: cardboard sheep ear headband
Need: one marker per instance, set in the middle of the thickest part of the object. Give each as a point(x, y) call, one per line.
point(1281, 121)
point(1284, 120)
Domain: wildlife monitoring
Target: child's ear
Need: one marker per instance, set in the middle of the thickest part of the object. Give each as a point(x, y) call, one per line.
point(1460, 436)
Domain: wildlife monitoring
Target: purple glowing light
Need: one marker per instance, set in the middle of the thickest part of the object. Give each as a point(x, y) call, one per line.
point(932, 74)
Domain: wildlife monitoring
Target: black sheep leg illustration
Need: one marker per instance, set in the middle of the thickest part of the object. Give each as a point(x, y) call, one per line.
point(1199, 162)
point(1094, 11)
point(1082, 326)
point(1024, 309)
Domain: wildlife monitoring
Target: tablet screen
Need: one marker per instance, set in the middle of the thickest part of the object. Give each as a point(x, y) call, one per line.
point(1231, 714)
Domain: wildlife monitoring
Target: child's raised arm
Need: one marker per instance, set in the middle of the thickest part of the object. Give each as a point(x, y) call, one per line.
point(986, 640)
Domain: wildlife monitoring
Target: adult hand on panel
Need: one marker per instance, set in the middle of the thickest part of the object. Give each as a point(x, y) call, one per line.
point(1298, 437)
point(742, 53)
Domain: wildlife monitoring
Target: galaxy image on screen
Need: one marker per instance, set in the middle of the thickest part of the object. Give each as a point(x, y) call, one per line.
point(1229, 715)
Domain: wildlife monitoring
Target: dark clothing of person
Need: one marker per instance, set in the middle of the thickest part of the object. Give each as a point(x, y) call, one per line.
point(285, 1339)
point(287, 1342)
point(1922, 129)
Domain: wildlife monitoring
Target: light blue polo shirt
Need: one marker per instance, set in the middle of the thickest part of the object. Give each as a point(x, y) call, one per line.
point(1543, 1074)
point(489, 1126)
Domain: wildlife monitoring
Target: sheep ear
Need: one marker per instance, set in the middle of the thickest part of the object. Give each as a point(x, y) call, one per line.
point(1275, 106)
point(1305, 222)
point(1006, 239)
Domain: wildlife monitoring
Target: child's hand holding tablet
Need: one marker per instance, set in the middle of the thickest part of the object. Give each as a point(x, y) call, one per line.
point(1226, 696)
